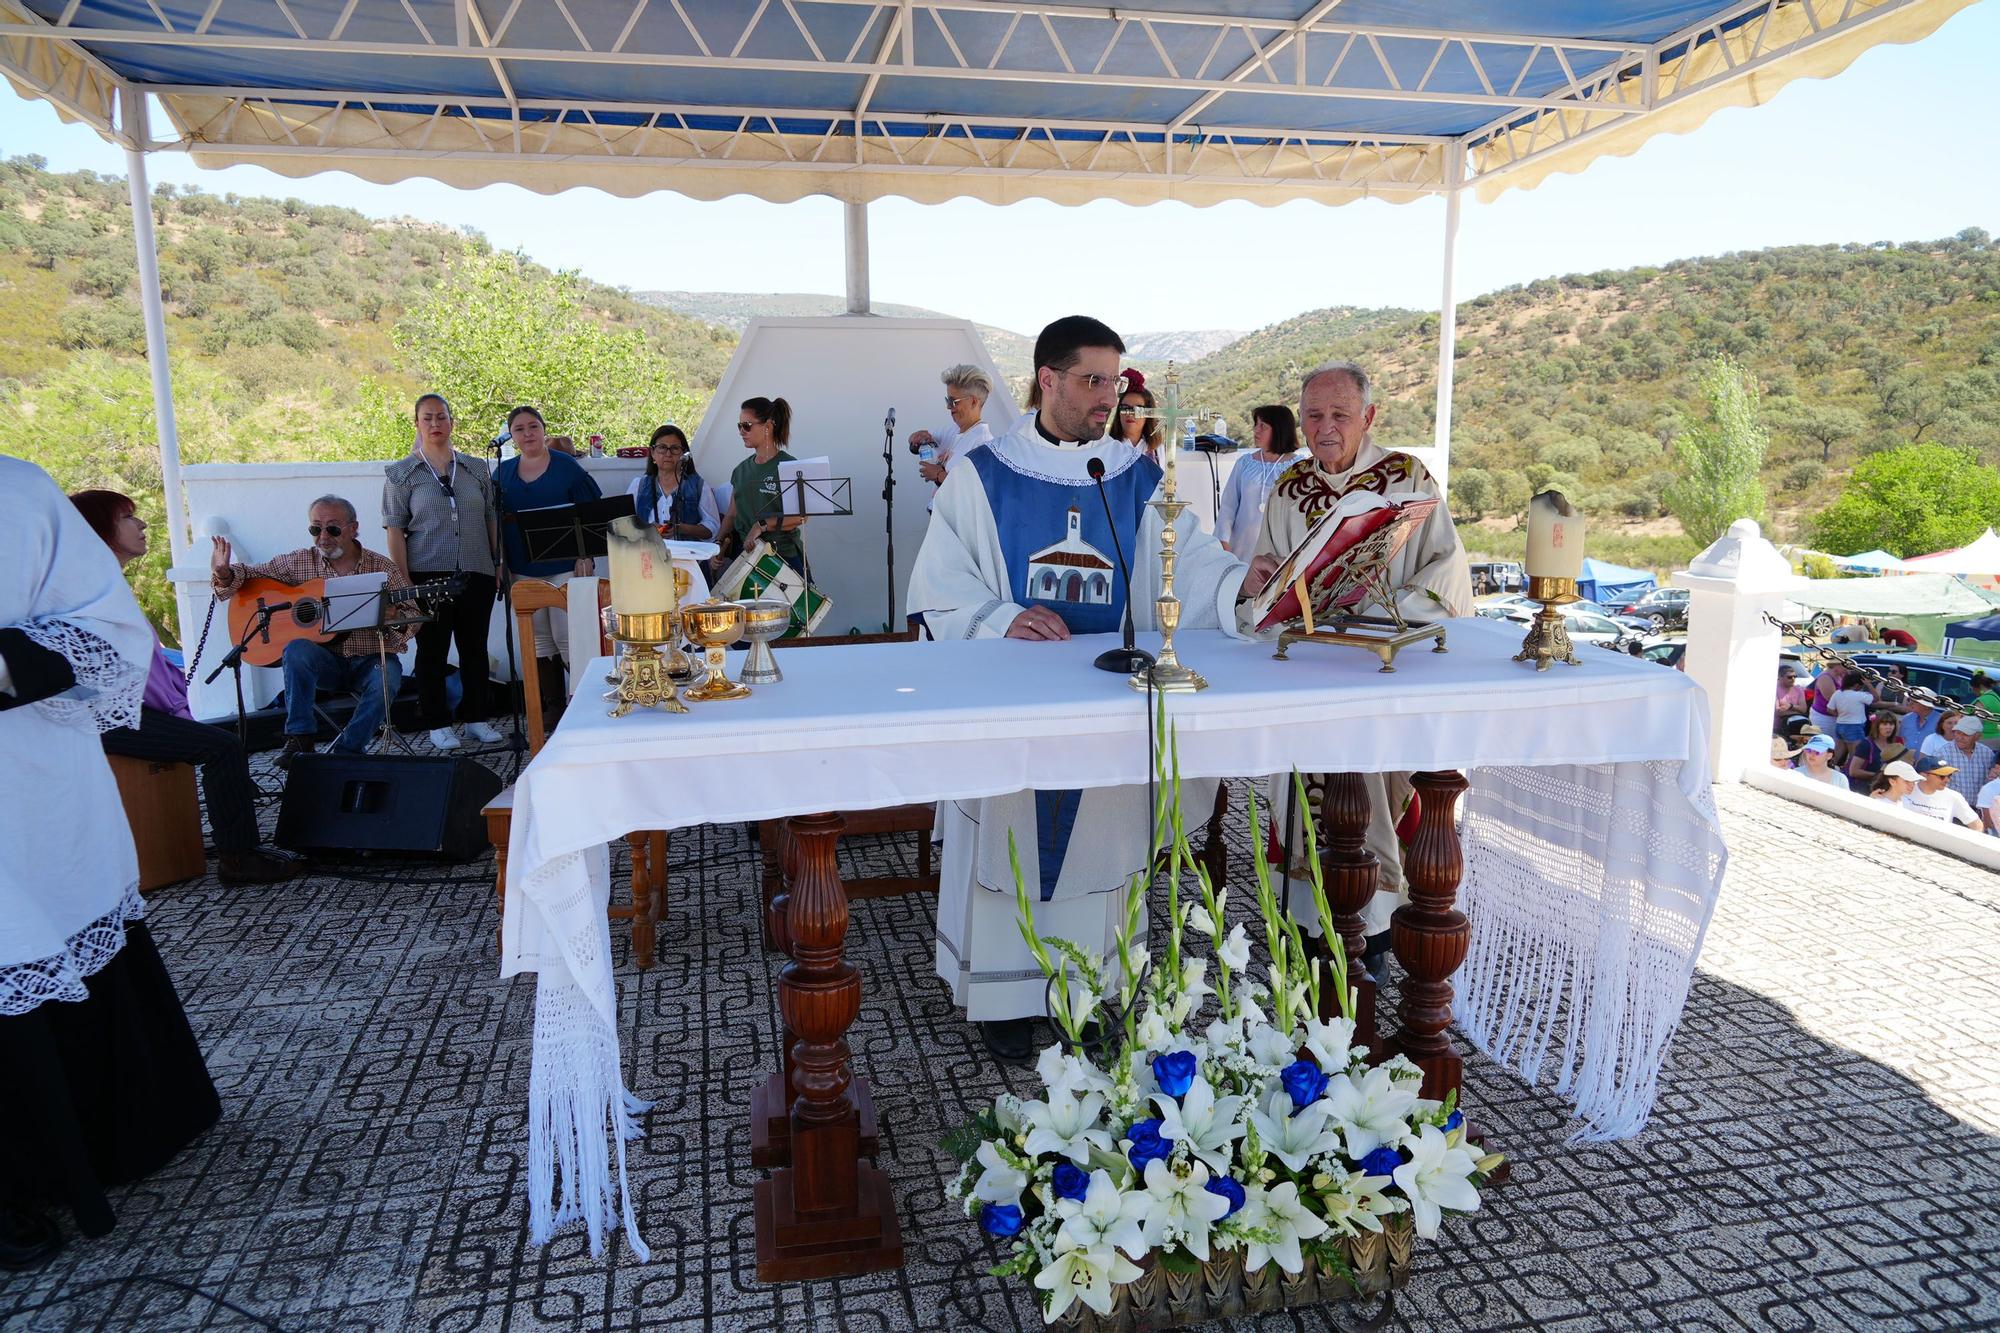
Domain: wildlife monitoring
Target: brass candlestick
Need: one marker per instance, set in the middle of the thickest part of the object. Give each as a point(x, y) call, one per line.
point(1548, 635)
point(642, 678)
point(1167, 671)
point(713, 625)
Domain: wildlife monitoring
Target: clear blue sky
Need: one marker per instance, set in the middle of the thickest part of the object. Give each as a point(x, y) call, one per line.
point(1899, 147)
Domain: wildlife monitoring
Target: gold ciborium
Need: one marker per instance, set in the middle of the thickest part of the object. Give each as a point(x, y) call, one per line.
point(764, 619)
point(641, 675)
point(1548, 634)
point(713, 625)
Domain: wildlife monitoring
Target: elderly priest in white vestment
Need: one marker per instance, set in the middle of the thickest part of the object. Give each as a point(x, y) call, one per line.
point(1019, 546)
point(1430, 577)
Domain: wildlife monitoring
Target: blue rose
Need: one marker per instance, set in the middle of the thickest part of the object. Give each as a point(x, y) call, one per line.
point(1453, 1121)
point(1001, 1219)
point(1175, 1072)
point(1147, 1145)
point(1306, 1084)
point(1228, 1189)
point(1070, 1182)
point(1382, 1162)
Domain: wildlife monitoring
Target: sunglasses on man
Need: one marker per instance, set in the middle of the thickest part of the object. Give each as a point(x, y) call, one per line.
point(330, 529)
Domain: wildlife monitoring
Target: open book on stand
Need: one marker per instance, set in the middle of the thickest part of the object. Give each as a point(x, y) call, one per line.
point(1325, 587)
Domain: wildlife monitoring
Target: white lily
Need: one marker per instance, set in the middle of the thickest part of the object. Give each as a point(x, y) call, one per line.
point(1355, 1202)
point(1181, 1207)
point(1063, 1073)
point(1271, 1048)
point(1104, 1217)
point(1371, 1110)
point(1235, 951)
point(1293, 1139)
point(1001, 1182)
point(1007, 1114)
point(1435, 1179)
point(1083, 1275)
point(1331, 1043)
point(1279, 1212)
point(1209, 1126)
point(1068, 1125)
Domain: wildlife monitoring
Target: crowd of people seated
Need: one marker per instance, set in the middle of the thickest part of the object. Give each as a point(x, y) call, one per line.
point(1890, 743)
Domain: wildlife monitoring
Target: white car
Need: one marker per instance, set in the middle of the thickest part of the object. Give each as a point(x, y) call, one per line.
point(1585, 625)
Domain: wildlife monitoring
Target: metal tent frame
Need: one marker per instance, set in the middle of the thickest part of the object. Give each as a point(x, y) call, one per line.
point(1191, 100)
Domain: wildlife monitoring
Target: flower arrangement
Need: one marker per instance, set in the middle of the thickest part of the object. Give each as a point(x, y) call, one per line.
point(1209, 1140)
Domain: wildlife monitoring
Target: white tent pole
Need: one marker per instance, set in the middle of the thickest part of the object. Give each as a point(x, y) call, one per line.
point(857, 258)
point(1448, 313)
point(132, 105)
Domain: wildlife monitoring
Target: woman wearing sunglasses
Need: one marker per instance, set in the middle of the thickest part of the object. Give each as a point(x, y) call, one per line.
point(437, 506)
point(756, 507)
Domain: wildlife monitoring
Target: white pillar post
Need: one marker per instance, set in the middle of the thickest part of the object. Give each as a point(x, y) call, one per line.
point(1448, 313)
point(857, 257)
point(1732, 651)
point(132, 108)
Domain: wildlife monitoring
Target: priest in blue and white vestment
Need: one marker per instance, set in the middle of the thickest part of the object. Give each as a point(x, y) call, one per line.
point(1019, 547)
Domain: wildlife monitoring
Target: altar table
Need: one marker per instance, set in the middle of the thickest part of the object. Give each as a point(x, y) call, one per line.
point(1591, 855)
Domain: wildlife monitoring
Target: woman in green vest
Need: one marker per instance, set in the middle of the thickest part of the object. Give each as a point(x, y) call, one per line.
point(756, 505)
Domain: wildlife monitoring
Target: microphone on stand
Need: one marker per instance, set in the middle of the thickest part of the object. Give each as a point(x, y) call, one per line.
point(1128, 659)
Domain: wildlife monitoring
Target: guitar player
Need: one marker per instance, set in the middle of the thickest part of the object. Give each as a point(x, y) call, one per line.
point(348, 661)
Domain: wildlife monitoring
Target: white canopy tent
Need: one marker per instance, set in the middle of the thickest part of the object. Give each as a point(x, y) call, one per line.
point(1981, 558)
point(1190, 100)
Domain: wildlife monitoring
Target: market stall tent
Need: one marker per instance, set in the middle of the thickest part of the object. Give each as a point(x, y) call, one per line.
point(1612, 585)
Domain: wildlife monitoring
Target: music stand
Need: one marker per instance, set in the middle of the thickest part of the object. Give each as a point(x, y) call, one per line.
point(357, 601)
point(569, 532)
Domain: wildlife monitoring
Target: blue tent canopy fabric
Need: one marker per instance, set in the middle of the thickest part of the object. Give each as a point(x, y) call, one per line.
point(1607, 584)
point(1986, 629)
point(1201, 101)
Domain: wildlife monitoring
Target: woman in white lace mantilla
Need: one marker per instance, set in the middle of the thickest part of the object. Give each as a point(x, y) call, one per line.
point(107, 1082)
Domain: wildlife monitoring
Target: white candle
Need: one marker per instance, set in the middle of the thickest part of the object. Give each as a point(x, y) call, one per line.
point(642, 578)
point(1555, 537)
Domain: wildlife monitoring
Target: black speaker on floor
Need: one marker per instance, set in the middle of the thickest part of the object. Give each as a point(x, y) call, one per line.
point(415, 806)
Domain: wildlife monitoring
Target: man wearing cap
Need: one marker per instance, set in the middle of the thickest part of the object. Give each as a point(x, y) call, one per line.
point(1957, 744)
point(1934, 796)
point(1816, 762)
point(1918, 725)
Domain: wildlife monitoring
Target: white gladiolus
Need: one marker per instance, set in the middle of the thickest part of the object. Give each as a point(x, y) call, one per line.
point(1199, 919)
point(1063, 1073)
point(1235, 951)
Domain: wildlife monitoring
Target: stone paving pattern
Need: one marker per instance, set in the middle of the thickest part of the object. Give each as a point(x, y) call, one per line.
point(1823, 1155)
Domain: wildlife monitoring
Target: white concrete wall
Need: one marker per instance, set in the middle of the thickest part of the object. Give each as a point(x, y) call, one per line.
point(261, 507)
point(841, 375)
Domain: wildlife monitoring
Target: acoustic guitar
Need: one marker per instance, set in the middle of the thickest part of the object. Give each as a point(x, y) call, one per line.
point(309, 610)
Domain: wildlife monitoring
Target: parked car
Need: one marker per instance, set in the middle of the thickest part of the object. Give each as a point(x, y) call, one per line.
point(1489, 576)
point(1948, 676)
point(1666, 652)
point(1504, 605)
point(1666, 608)
point(1586, 624)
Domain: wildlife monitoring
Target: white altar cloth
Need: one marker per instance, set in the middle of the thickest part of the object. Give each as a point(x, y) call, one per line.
point(1593, 857)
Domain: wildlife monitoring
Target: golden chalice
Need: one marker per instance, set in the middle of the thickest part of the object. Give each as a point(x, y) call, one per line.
point(712, 626)
point(764, 619)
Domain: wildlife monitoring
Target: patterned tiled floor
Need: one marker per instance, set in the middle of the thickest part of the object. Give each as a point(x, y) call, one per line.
point(1823, 1155)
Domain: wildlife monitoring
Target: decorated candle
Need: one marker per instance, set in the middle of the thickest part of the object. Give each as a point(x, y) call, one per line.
point(1555, 537)
point(642, 577)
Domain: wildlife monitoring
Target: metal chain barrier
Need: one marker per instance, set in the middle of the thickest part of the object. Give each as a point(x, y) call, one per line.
point(1809, 644)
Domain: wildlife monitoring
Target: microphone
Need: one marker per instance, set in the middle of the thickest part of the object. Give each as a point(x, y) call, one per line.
point(889, 423)
point(272, 608)
point(1128, 659)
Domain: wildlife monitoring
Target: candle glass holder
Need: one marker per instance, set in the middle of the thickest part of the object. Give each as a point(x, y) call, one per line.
point(713, 625)
point(1548, 635)
point(681, 669)
point(642, 678)
point(765, 619)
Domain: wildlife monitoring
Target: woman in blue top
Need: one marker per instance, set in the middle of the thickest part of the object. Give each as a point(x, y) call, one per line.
point(1240, 519)
point(541, 478)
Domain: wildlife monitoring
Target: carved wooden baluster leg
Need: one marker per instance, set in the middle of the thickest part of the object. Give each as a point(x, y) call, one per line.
point(1430, 934)
point(1352, 875)
point(642, 901)
point(828, 1214)
point(1214, 855)
point(770, 856)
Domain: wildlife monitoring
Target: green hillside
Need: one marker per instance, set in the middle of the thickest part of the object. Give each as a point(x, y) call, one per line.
point(1584, 381)
point(301, 332)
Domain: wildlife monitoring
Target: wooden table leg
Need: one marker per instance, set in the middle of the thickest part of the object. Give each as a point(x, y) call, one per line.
point(828, 1214)
point(771, 1101)
point(1352, 877)
point(1214, 855)
point(1430, 935)
point(771, 845)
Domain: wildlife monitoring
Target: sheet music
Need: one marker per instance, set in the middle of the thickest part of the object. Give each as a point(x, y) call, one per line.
point(354, 601)
point(806, 486)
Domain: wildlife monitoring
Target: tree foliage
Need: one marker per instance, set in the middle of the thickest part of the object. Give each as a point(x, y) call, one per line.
point(1721, 456)
point(1912, 500)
